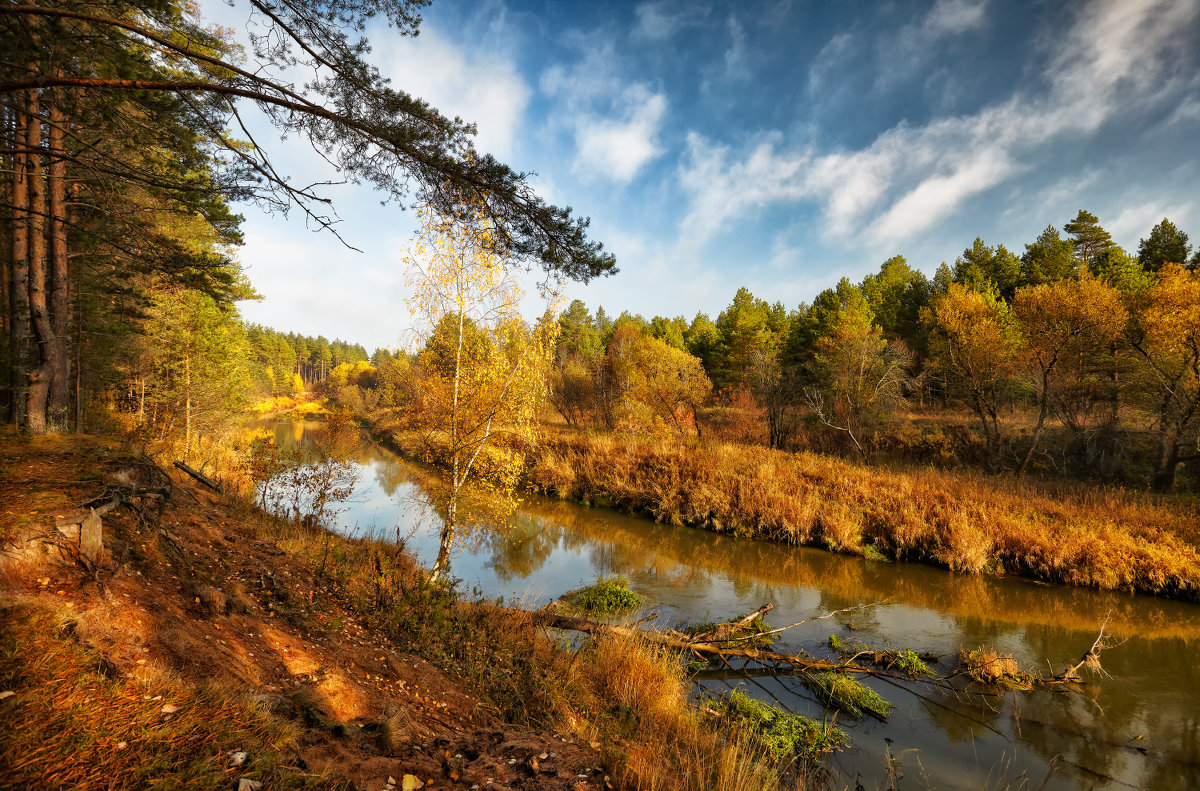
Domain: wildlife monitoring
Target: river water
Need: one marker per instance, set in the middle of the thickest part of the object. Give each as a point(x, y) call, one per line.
point(1139, 727)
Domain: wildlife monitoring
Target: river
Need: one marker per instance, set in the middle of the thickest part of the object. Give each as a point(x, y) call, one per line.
point(1139, 727)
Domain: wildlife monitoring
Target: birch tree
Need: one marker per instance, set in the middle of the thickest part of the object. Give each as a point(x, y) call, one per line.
point(482, 368)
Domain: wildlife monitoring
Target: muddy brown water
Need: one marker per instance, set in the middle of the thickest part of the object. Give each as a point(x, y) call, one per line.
point(1137, 727)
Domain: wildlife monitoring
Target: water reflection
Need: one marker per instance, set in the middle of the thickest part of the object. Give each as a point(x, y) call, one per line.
point(1138, 728)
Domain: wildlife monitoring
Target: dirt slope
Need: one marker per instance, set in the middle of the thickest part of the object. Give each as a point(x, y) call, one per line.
point(189, 602)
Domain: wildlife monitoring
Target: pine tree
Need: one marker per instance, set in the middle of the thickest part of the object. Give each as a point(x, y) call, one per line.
point(1088, 237)
point(1166, 244)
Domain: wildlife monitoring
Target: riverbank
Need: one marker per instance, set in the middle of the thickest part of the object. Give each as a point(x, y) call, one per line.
point(1081, 535)
point(211, 644)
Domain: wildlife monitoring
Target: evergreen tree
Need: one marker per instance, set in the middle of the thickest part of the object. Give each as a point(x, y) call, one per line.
point(1088, 237)
point(1048, 259)
point(1166, 244)
point(983, 268)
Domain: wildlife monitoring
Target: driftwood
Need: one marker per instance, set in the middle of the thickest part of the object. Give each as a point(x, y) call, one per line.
point(201, 477)
point(676, 640)
point(723, 631)
point(1090, 658)
point(776, 662)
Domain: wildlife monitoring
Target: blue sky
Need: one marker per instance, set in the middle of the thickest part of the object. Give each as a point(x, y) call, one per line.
point(775, 145)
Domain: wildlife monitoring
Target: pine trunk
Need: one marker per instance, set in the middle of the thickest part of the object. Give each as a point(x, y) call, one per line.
point(36, 397)
point(18, 291)
point(58, 352)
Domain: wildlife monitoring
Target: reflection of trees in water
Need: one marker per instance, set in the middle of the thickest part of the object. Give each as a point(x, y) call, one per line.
point(391, 476)
point(1178, 773)
point(1071, 725)
point(974, 631)
point(856, 580)
point(523, 548)
point(962, 720)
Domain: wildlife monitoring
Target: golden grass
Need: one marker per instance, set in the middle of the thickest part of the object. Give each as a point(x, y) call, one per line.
point(669, 747)
point(992, 667)
point(629, 697)
point(70, 725)
point(1079, 535)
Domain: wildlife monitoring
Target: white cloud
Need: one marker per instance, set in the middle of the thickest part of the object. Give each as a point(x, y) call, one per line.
point(836, 52)
point(1135, 222)
point(901, 53)
point(951, 17)
point(736, 66)
point(616, 125)
point(661, 20)
point(618, 148)
point(1110, 62)
point(483, 88)
point(1188, 112)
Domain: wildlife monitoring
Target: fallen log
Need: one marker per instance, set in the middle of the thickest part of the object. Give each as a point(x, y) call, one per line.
point(201, 477)
point(795, 661)
point(722, 631)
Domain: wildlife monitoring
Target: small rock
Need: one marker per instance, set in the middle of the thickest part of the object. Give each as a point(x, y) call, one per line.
point(122, 745)
point(391, 780)
point(169, 709)
point(238, 757)
point(411, 783)
point(245, 784)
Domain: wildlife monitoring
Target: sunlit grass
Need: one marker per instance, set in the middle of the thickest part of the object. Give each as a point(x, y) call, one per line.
point(964, 521)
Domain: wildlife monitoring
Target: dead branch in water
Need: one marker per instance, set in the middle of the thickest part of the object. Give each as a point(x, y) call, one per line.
point(1090, 658)
point(721, 632)
point(675, 640)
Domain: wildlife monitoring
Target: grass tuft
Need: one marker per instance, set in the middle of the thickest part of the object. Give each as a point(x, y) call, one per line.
point(608, 596)
point(988, 666)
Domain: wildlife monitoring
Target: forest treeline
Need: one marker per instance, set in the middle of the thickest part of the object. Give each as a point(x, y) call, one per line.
point(1074, 357)
point(121, 279)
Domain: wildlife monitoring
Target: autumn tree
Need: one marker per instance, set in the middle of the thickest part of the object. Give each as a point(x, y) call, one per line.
point(140, 99)
point(482, 367)
point(1165, 333)
point(1064, 322)
point(669, 381)
point(860, 376)
point(975, 344)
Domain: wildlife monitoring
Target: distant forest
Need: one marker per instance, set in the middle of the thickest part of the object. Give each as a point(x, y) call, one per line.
point(1075, 357)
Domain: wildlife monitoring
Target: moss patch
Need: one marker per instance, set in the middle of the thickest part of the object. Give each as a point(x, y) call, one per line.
point(848, 694)
point(780, 733)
